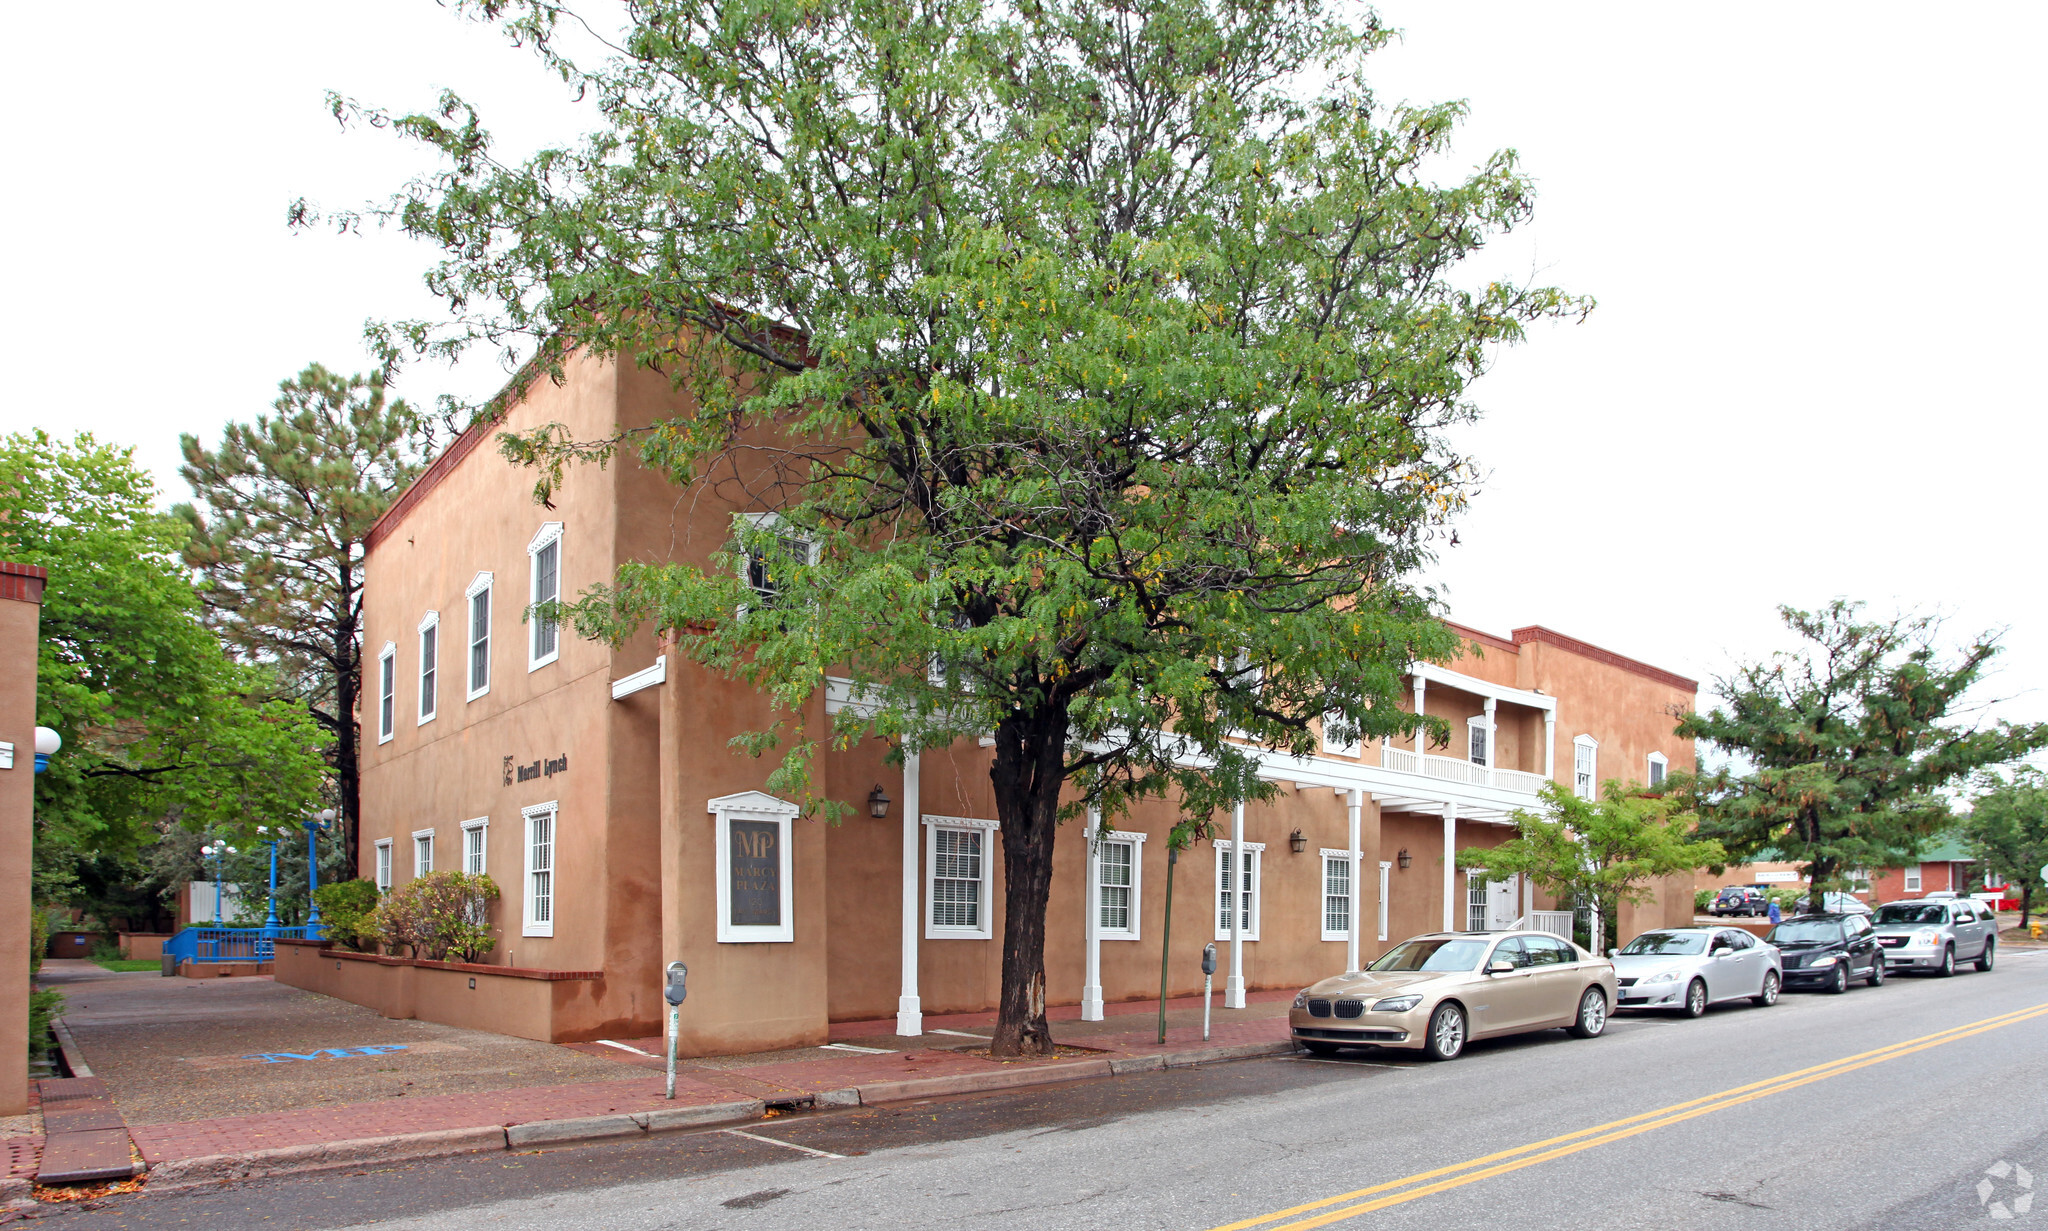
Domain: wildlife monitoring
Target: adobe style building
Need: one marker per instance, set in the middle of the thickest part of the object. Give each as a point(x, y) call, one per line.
point(597, 788)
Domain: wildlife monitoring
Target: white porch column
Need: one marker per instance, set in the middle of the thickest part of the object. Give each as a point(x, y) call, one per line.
point(1353, 804)
point(1233, 985)
point(1492, 753)
point(1550, 744)
point(1450, 867)
point(1091, 926)
point(909, 1009)
point(1421, 737)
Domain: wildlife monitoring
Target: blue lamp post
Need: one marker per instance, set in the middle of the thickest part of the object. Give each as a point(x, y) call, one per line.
point(271, 921)
point(314, 824)
point(213, 853)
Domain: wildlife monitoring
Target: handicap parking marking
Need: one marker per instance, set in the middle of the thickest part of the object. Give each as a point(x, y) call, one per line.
point(325, 1053)
point(290, 1055)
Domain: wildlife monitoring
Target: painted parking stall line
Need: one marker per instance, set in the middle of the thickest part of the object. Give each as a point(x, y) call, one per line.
point(787, 1145)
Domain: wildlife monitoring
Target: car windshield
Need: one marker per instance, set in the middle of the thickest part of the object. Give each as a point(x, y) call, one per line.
point(1432, 955)
point(1807, 932)
point(1911, 912)
point(1667, 942)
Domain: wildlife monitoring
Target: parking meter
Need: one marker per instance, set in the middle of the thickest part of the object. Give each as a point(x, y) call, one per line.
point(1208, 972)
point(674, 991)
point(1209, 958)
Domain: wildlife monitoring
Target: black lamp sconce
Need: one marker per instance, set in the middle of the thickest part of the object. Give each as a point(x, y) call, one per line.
point(878, 802)
point(1404, 859)
point(1296, 842)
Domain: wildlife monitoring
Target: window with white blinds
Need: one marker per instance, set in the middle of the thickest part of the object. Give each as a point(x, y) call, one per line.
point(957, 878)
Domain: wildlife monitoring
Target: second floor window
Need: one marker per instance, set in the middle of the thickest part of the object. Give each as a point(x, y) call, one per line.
point(1585, 766)
point(479, 636)
point(546, 567)
point(430, 638)
point(387, 691)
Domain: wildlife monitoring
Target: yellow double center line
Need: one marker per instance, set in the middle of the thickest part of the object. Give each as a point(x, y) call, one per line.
point(1424, 1183)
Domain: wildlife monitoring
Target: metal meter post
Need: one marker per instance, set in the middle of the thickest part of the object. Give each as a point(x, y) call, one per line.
point(1208, 976)
point(674, 991)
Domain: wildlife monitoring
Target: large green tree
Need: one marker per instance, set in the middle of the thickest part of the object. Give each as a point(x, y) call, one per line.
point(1839, 753)
point(278, 537)
point(1093, 364)
point(1598, 852)
point(2006, 828)
point(158, 722)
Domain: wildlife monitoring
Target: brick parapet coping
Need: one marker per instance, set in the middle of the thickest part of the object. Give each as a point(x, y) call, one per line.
point(474, 968)
point(1572, 645)
point(22, 583)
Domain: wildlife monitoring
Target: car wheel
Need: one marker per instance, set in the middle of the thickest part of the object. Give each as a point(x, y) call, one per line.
point(1695, 999)
point(1320, 1049)
point(1988, 957)
point(1840, 983)
point(1592, 1014)
point(1948, 962)
point(1446, 1039)
point(1769, 996)
point(1876, 971)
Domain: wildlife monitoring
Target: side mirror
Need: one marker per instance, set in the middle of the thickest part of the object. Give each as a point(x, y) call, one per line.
point(1614, 953)
point(1499, 966)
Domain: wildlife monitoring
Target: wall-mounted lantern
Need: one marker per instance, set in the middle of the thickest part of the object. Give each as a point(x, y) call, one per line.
point(878, 802)
point(1296, 842)
point(1404, 859)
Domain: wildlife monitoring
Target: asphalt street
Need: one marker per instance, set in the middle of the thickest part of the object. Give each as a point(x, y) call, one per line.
point(1916, 1106)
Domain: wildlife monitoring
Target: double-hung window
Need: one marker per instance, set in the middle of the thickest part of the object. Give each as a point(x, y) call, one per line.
point(475, 845)
point(479, 595)
point(430, 644)
point(956, 857)
point(384, 866)
point(538, 909)
point(1118, 872)
point(765, 565)
point(1340, 736)
point(544, 568)
point(1585, 767)
point(387, 691)
point(1479, 741)
point(1237, 887)
point(422, 852)
point(1336, 895)
point(1913, 879)
point(1659, 767)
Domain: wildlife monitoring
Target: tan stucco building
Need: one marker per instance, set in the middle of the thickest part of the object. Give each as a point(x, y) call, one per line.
point(595, 785)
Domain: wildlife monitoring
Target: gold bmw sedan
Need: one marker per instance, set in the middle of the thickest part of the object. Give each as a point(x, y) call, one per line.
point(1436, 993)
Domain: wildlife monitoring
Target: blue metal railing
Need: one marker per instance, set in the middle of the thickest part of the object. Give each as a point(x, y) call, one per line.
point(235, 944)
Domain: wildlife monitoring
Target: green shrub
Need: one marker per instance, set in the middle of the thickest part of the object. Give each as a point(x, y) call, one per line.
point(442, 916)
point(1702, 899)
point(42, 1006)
point(104, 950)
point(345, 907)
point(38, 937)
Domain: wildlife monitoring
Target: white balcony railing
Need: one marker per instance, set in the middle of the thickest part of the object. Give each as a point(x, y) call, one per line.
point(1454, 769)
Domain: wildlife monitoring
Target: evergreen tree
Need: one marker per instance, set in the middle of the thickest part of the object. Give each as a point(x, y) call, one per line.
point(2007, 830)
point(278, 538)
point(1841, 751)
point(1098, 362)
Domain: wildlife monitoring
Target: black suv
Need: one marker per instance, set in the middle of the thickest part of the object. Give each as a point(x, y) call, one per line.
point(1827, 951)
point(1739, 900)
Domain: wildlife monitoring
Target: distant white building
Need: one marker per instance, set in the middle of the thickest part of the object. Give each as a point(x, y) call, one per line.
point(197, 903)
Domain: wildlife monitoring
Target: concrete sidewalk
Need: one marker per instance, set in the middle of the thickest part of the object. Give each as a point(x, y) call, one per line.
point(234, 1078)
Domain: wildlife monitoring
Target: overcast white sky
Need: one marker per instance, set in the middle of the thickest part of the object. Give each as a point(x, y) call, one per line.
point(1812, 230)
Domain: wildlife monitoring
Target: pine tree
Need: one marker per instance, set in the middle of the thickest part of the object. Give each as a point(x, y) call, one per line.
point(286, 503)
point(1841, 751)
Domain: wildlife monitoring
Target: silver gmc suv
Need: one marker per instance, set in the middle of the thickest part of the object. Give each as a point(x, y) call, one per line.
point(1933, 934)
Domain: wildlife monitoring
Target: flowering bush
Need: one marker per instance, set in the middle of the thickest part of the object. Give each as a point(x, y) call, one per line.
point(346, 908)
point(440, 916)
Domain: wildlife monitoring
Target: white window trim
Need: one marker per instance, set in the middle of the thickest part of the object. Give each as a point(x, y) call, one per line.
point(549, 533)
point(772, 522)
point(418, 834)
point(1257, 850)
point(481, 825)
point(753, 806)
point(387, 671)
point(1651, 764)
point(430, 701)
point(1386, 865)
point(1593, 785)
point(527, 926)
point(482, 585)
point(1137, 843)
point(1334, 746)
point(1913, 879)
point(1479, 723)
point(932, 826)
point(380, 865)
point(1323, 891)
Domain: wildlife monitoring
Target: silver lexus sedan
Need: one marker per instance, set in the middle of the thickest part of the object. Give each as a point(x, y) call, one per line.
point(1687, 969)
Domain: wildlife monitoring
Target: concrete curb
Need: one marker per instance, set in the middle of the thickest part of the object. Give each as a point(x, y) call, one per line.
point(74, 1059)
point(14, 1189)
point(970, 1083)
point(1237, 1051)
point(669, 1118)
point(180, 1173)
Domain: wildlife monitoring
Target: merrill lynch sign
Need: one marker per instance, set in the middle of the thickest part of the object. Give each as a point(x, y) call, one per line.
point(546, 767)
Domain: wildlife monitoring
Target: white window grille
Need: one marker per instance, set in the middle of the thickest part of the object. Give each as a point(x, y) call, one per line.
point(1336, 895)
point(384, 866)
point(476, 846)
point(422, 852)
point(387, 691)
point(957, 878)
point(479, 594)
point(1118, 870)
point(1475, 900)
point(1658, 768)
point(1237, 887)
point(1479, 741)
point(1585, 767)
point(539, 917)
point(430, 635)
point(1340, 738)
point(544, 553)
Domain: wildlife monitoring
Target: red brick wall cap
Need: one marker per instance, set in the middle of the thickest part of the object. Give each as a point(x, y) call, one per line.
point(1585, 649)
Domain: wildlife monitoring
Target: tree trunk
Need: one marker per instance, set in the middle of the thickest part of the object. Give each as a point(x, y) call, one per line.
point(1817, 899)
point(2026, 902)
point(1029, 769)
point(348, 689)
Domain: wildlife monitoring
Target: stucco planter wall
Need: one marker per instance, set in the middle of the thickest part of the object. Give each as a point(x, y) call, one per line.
point(547, 1005)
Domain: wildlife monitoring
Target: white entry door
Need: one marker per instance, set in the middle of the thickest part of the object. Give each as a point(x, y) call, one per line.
point(1503, 903)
